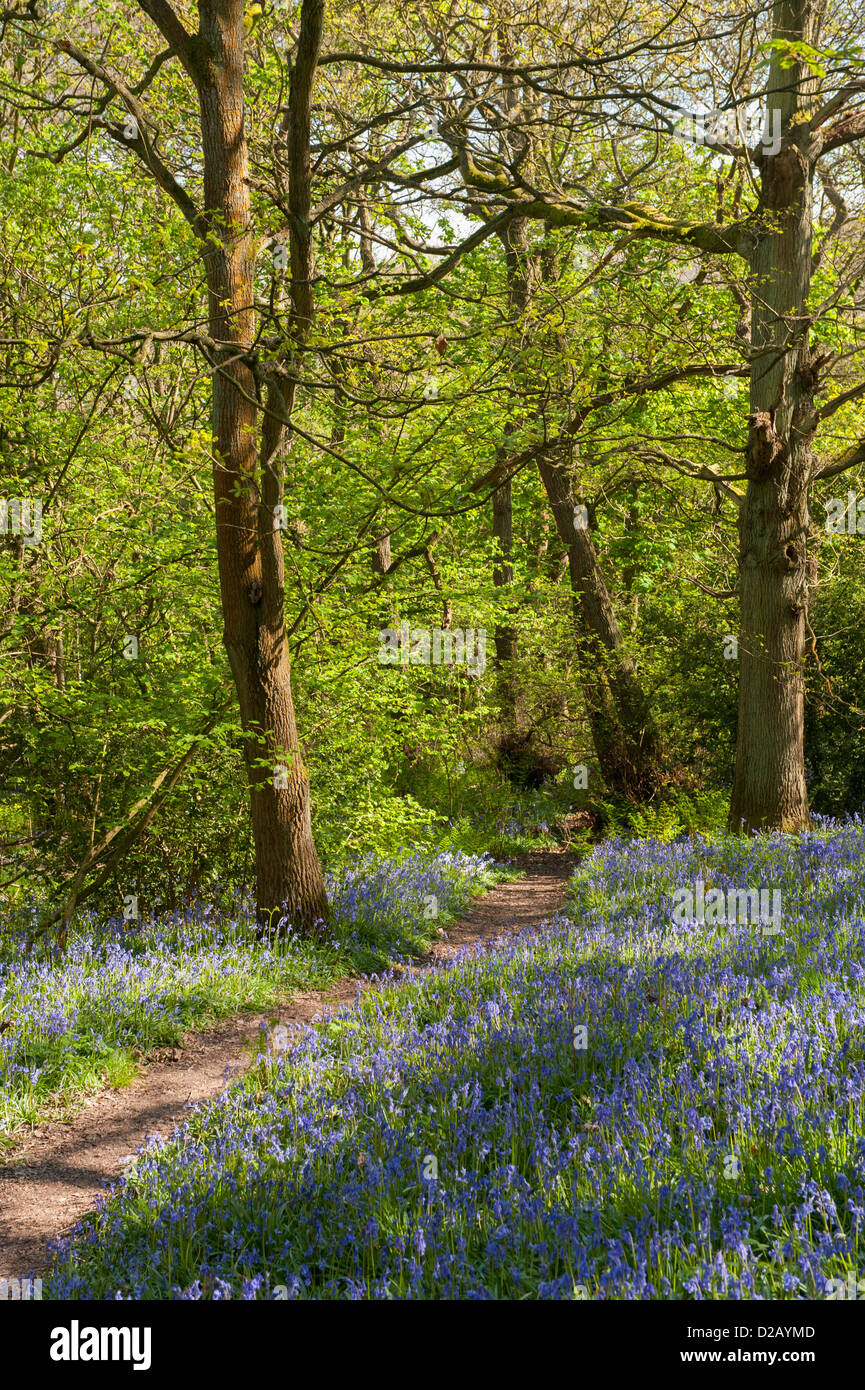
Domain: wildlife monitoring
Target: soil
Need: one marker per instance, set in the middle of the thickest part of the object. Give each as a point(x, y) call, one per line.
point(58, 1169)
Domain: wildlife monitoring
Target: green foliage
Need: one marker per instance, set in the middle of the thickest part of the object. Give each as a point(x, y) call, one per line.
point(678, 814)
point(85, 1018)
point(106, 419)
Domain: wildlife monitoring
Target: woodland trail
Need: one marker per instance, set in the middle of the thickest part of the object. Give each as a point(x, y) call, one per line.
point(58, 1169)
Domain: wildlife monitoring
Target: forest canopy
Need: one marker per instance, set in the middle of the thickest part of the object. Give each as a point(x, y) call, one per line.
point(435, 424)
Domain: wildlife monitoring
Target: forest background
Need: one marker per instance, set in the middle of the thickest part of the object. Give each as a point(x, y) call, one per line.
point(535, 320)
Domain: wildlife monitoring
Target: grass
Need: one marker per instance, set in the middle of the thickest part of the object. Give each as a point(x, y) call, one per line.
point(452, 1137)
point(77, 1022)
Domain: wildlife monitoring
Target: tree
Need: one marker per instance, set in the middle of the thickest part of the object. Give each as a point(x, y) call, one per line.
point(774, 240)
point(251, 406)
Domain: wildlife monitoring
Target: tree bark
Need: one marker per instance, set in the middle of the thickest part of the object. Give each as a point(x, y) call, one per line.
point(520, 277)
point(775, 567)
point(246, 484)
point(380, 554)
point(505, 637)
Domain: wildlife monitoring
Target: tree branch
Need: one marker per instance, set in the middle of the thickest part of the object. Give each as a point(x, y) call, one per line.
point(172, 30)
point(141, 145)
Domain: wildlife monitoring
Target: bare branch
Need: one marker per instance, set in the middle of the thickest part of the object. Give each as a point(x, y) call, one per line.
point(174, 33)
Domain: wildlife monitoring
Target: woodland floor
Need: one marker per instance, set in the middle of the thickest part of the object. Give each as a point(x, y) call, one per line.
point(57, 1170)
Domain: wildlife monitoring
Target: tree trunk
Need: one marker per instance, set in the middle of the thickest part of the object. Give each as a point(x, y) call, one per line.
point(507, 684)
point(520, 281)
point(380, 554)
point(249, 545)
point(775, 569)
point(623, 732)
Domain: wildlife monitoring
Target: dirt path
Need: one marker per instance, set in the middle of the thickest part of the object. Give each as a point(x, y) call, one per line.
point(59, 1168)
